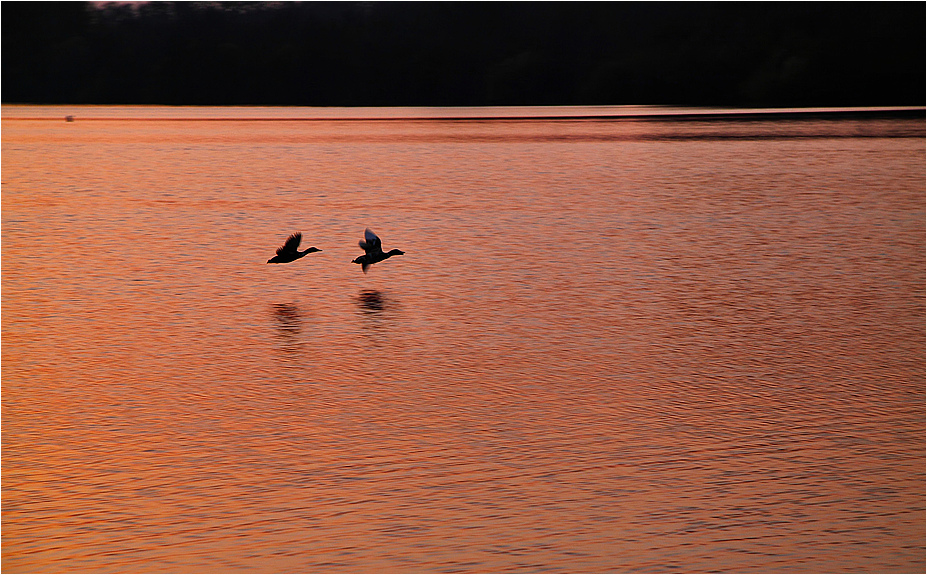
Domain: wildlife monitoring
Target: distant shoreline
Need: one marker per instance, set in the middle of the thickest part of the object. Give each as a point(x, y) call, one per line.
point(84, 112)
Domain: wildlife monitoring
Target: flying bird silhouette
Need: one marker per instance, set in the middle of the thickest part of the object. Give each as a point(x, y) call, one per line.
point(289, 251)
point(373, 251)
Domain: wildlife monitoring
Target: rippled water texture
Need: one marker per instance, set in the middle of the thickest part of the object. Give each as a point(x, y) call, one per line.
point(610, 345)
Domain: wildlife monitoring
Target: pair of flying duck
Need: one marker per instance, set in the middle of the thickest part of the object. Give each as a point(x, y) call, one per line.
point(373, 252)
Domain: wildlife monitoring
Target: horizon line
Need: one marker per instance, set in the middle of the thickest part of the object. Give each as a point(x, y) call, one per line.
point(621, 112)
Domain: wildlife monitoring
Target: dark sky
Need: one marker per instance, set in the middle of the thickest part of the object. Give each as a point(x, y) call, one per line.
point(449, 53)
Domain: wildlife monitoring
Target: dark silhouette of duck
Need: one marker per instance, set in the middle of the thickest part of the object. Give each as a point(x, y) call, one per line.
point(374, 252)
point(289, 251)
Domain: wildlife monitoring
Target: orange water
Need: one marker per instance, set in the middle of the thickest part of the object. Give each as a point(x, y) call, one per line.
point(609, 346)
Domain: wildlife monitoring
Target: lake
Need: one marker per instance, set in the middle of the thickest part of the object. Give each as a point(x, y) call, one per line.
point(619, 340)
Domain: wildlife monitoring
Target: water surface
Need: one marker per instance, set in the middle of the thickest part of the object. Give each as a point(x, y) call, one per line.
point(612, 344)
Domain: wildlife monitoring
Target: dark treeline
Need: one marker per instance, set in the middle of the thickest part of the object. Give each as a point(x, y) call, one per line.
point(448, 53)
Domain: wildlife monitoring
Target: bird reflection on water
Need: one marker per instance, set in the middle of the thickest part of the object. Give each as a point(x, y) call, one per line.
point(289, 325)
point(379, 312)
point(372, 301)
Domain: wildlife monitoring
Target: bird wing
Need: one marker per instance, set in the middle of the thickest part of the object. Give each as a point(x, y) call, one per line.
point(370, 243)
point(290, 244)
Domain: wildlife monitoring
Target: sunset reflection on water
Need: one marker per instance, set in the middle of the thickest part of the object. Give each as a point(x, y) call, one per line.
point(610, 346)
